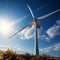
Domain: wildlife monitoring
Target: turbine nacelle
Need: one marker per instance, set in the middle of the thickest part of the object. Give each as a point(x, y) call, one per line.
point(36, 23)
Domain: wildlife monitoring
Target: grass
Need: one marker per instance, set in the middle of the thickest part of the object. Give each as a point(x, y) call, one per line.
point(10, 55)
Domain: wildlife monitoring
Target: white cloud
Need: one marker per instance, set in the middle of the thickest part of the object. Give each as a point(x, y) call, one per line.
point(1, 46)
point(45, 37)
point(47, 49)
point(27, 33)
point(55, 47)
point(54, 30)
point(58, 22)
point(18, 49)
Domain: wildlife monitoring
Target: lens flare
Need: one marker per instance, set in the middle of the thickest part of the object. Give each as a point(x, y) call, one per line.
point(5, 27)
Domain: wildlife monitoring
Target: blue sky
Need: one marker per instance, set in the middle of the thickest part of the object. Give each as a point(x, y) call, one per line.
point(18, 15)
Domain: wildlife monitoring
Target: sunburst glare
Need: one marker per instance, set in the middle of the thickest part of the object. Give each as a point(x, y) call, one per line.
point(5, 27)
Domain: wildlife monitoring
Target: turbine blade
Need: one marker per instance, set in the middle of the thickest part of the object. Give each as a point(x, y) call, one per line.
point(30, 10)
point(42, 17)
point(21, 29)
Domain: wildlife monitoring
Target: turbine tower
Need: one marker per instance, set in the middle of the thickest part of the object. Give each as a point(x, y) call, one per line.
point(35, 23)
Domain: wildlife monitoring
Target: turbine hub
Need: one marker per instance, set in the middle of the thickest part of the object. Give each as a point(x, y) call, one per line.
point(36, 23)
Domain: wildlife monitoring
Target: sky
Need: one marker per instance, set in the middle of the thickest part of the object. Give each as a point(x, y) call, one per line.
point(14, 15)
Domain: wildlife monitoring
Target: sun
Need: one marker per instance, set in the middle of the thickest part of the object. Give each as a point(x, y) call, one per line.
point(5, 27)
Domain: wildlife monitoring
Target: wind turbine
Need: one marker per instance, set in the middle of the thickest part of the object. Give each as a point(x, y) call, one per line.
point(35, 23)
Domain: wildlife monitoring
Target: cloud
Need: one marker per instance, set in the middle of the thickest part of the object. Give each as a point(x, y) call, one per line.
point(27, 33)
point(47, 49)
point(55, 47)
point(54, 30)
point(44, 37)
point(3, 47)
point(17, 49)
point(58, 22)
